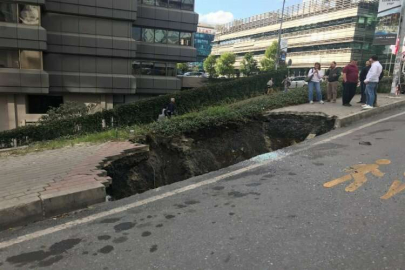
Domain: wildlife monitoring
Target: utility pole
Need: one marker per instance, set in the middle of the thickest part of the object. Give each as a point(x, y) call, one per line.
point(396, 80)
point(279, 37)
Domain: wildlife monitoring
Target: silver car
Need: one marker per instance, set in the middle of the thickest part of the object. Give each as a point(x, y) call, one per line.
point(298, 82)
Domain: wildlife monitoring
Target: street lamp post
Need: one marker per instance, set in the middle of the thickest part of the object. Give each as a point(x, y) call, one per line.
point(279, 37)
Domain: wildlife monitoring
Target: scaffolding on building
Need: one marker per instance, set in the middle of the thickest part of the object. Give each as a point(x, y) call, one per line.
point(294, 12)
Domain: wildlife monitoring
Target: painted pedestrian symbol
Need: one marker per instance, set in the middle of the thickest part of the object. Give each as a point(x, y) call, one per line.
point(359, 173)
point(396, 188)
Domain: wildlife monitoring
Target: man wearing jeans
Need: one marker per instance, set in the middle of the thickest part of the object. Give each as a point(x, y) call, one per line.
point(372, 80)
point(332, 74)
point(350, 81)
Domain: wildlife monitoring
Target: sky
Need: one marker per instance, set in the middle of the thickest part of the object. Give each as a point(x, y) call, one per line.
point(224, 11)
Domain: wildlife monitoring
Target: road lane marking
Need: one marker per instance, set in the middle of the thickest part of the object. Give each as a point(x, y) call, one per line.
point(121, 209)
point(396, 188)
point(358, 173)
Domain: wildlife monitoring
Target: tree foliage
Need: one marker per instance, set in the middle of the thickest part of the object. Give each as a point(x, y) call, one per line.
point(224, 65)
point(183, 67)
point(209, 66)
point(269, 60)
point(249, 65)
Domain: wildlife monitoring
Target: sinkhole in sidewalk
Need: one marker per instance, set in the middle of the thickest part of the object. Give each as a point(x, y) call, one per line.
point(175, 159)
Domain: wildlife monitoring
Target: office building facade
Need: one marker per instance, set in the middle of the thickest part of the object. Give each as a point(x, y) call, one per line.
point(316, 31)
point(203, 43)
point(102, 52)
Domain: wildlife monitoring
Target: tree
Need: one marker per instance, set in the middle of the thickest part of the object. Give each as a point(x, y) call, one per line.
point(269, 60)
point(67, 110)
point(249, 64)
point(183, 67)
point(224, 65)
point(209, 66)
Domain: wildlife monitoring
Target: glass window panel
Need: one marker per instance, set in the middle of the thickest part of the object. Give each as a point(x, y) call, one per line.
point(148, 35)
point(187, 5)
point(147, 68)
point(137, 33)
point(29, 14)
point(171, 70)
point(161, 36)
point(162, 3)
point(173, 37)
point(9, 59)
point(137, 68)
point(185, 39)
point(159, 69)
point(149, 2)
point(8, 12)
point(42, 104)
point(31, 60)
point(175, 4)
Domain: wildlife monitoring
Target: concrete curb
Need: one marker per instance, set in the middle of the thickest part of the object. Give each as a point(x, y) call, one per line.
point(350, 119)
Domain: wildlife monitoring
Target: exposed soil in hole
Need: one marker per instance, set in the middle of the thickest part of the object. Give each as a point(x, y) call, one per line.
point(179, 158)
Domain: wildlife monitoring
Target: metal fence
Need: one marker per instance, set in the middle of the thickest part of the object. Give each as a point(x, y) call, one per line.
point(306, 9)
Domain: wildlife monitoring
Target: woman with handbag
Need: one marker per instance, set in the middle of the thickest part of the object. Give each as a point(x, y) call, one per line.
point(314, 78)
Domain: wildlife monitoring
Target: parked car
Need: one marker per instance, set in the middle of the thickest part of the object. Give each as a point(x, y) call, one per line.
point(195, 74)
point(298, 82)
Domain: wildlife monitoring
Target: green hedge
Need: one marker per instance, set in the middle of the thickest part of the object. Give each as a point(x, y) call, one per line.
point(143, 111)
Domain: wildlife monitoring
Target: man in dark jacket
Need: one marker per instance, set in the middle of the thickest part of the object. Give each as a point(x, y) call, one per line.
point(350, 81)
point(363, 76)
point(171, 108)
point(332, 74)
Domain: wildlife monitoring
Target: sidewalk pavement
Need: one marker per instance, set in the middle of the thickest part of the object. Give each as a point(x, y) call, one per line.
point(345, 115)
point(42, 185)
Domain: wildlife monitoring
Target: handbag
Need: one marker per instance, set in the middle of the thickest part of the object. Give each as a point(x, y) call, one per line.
point(308, 79)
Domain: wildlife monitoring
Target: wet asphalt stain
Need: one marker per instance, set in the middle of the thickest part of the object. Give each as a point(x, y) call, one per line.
point(124, 226)
point(153, 248)
point(169, 216)
point(267, 177)
point(292, 216)
point(55, 250)
point(227, 259)
point(149, 217)
point(318, 164)
point(50, 261)
point(104, 237)
point(218, 188)
point(159, 226)
point(106, 249)
point(180, 206)
point(191, 202)
point(120, 240)
point(145, 225)
point(292, 174)
point(110, 220)
point(365, 143)
point(379, 139)
point(146, 234)
point(379, 131)
point(237, 194)
point(85, 253)
point(254, 184)
point(231, 214)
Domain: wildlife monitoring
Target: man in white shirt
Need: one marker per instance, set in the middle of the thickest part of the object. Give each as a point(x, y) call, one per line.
point(372, 80)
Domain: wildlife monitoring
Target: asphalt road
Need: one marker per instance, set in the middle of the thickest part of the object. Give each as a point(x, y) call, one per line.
point(277, 215)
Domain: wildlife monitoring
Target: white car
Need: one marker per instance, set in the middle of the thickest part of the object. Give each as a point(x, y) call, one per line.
point(195, 74)
point(298, 82)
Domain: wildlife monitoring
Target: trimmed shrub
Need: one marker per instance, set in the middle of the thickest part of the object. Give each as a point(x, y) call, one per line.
point(141, 112)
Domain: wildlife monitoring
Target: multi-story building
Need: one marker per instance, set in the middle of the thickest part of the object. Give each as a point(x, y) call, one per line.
point(203, 43)
point(101, 52)
point(316, 30)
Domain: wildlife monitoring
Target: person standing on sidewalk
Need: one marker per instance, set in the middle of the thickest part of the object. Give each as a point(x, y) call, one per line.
point(332, 74)
point(363, 76)
point(372, 80)
point(315, 76)
point(286, 83)
point(350, 81)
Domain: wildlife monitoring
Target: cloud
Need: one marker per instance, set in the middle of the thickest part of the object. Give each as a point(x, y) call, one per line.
point(218, 17)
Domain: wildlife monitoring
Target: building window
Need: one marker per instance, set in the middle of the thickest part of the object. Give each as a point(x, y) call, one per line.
point(154, 69)
point(185, 39)
point(162, 3)
point(9, 59)
point(41, 104)
point(147, 68)
point(175, 4)
point(159, 69)
point(148, 35)
point(118, 100)
point(187, 5)
point(137, 68)
point(31, 60)
point(29, 14)
point(173, 38)
point(8, 12)
point(149, 2)
point(161, 36)
point(137, 33)
point(171, 70)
